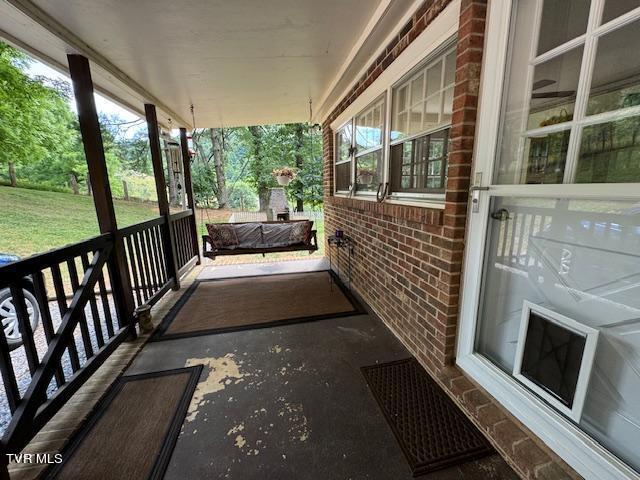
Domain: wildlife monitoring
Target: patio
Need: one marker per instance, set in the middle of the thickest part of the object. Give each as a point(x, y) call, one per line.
point(281, 402)
point(486, 175)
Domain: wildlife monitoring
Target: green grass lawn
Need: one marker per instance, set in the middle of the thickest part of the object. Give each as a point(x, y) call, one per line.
point(33, 221)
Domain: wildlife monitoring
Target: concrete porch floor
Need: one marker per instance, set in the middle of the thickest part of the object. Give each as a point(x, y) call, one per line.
point(290, 402)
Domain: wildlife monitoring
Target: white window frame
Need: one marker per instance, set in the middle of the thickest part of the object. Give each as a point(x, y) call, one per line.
point(577, 448)
point(580, 119)
point(442, 31)
point(350, 160)
point(358, 153)
point(435, 199)
point(355, 153)
point(438, 55)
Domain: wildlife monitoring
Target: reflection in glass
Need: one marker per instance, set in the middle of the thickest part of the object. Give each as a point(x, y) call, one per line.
point(616, 74)
point(369, 126)
point(417, 103)
point(547, 158)
point(369, 171)
point(610, 152)
point(562, 20)
point(615, 8)
point(343, 144)
point(343, 177)
point(581, 259)
point(419, 165)
point(555, 83)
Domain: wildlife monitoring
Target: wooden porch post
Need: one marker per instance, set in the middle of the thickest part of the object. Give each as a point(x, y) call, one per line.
point(188, 185)
point(168, 237)
point(94, 151)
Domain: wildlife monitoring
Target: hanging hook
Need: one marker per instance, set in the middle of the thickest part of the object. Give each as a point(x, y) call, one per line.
point(501, 214)
point(383, 190)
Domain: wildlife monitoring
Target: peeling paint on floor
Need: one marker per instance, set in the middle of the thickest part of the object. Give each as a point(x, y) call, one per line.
point(222, 371)
point(240, 441)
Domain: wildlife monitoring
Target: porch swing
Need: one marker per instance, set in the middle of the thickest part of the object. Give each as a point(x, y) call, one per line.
point(246, 238)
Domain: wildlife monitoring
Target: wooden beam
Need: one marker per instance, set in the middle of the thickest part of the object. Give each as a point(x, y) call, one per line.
point(188, 185)
point(161, 189)
point(94, 151)
point(156, 158)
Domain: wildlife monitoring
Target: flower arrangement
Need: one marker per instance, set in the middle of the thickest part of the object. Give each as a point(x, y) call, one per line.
point(284, 175)
point(366, 175)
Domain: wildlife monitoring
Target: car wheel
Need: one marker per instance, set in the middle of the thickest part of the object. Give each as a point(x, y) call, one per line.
point(10, 319)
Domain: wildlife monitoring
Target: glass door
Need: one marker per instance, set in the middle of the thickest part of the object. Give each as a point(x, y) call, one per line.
point(551, 304)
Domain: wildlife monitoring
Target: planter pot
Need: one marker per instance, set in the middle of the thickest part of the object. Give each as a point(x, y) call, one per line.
point(283, 180)
point(365, 178)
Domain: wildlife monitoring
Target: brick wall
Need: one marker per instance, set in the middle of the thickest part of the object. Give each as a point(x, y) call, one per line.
point(408, 260)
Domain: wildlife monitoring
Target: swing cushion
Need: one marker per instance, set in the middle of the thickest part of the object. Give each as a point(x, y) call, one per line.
point(222, 235)
point(249, 234)
point(300, 233)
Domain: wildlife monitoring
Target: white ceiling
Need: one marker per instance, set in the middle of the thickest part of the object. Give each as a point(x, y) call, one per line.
point(239, 62)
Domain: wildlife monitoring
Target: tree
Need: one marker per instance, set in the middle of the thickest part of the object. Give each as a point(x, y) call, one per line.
point(260, 167)
point(218, 151)
point(27, 128)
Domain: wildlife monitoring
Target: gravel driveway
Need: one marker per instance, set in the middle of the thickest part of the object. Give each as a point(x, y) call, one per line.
point(19, 359)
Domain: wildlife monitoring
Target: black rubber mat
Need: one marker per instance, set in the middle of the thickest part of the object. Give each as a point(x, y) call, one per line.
point(431, 430)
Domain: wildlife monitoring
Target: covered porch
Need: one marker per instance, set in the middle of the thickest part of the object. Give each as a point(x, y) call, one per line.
point(264, 371)
point(285, 401)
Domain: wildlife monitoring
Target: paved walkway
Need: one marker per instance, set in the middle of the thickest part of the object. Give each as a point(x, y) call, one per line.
point(253, 269)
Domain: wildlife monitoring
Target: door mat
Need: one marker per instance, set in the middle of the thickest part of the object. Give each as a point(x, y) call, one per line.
point(431, 430)
point(133, 430)
point(224, 305)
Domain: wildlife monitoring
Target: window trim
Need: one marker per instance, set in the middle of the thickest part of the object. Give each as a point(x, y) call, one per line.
point(342, 162)
point(445, 42)
point(355, 153)
point(588, 41)
point(438, 55)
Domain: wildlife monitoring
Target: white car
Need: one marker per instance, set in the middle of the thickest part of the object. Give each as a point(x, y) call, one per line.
point(8, 314)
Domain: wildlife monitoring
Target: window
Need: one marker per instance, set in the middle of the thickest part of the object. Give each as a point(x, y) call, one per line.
point(369, 126)
point(418, 165)
point(343, 159)
point(407, 153)
point(579, 120)
point(359, 158)
point(422, 108)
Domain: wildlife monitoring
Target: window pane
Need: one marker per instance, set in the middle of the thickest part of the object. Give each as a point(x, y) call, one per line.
point(417, 90)
point(616, 74)
point(434, 78)
point(369, 126)
point(369, 171)
point(343, 176)
point(419, 165)
point(562, 20)
point(343, 143)
point(546, 158)
point(450, 69)
point(417, 103)
point(580, 258)
point(399, 120)
point(554, 89)
point(447, 107)
point(610, 152)
point(615, 8)
point(432, 112)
